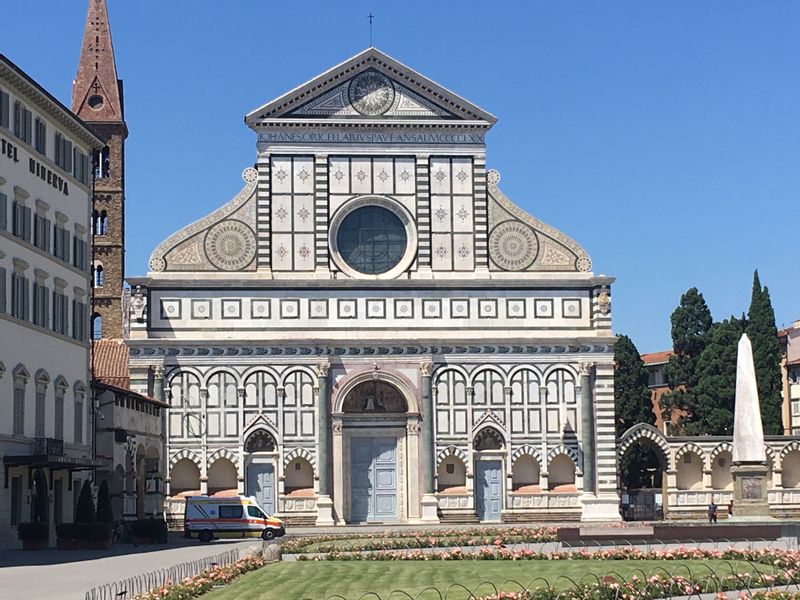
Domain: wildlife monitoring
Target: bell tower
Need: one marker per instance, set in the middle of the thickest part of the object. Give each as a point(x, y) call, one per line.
point(97, 99)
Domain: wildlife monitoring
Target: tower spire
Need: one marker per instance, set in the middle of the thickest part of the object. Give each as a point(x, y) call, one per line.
point(96, 91)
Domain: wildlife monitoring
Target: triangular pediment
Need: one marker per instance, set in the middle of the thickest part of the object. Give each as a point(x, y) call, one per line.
point(370, 86)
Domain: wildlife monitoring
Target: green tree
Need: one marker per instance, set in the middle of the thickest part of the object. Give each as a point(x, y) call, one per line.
point(85, 512)
point(632, 398)
point(105, 512)
point(639, 466)
point(716, 388)
point(763, 336)
point(691, 322)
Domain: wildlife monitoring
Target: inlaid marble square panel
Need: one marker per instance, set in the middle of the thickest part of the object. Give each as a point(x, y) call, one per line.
point(462, 213)
point(463, 252)
point(346, 309)
point(281, 181)
point(231, 308)
point(383, 175)
point(404, 309)
point(431, 309)
point(201, 309)
point(318, 309)
point(361, 175)
point(462, 176)
point(571, 308)
point(543, 308)
point(459, 308)
point(260, 308)
point(303, 175)
point(405, 176)
point(515, 309)
point(440, 176)
point(290, 309)
point(487, 308)
point(376, 309)
point(170, 308)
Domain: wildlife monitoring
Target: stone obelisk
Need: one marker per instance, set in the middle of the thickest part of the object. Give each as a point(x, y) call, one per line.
point(749, 467)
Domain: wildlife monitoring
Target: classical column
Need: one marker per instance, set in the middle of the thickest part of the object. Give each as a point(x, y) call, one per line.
point(324, 502)
point(430, 504)
point(587, 428)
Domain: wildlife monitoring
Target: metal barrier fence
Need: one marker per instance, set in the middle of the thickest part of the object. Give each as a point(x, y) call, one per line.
point(658, 583)
point(126, 589)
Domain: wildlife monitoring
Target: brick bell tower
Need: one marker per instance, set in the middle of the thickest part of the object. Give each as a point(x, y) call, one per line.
point(98, 100)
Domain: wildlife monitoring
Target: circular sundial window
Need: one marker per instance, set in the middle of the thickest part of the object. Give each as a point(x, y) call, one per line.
point(371, 93)
point(372, 240)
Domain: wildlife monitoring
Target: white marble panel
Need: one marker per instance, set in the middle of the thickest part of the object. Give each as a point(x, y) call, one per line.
point(282, 251)
point(442, 421)
point(339, 176)
point(303, 213)
point(260, 308)
point(441, 250)
point(463, 252)
point(534, 421)
point(405, 176)
point(281, 216)
point(553, 425)
point(462, 176)
point(281, 175)
point(231, 424)
point(304, 252)
point(303, 175)
point(176, 424)
point(463, 214)
point(361, 172)
point(289, 423)
point(440, 176)
point(307, 422)
point(383, 175)
point(517, 421)
point(441, 214)
point(214, 425)
point(460, 421)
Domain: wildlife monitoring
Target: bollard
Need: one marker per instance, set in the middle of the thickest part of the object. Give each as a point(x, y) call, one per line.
point(271, 552)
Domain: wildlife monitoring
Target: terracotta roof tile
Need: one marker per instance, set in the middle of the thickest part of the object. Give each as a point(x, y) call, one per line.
point(111, 363)
point(655, 358)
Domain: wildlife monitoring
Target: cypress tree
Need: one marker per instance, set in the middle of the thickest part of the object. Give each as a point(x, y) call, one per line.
point(763, 336)
point(85, 513)
point(632, 396)
point(105, 512)
point(691, 322)
point(716, 387)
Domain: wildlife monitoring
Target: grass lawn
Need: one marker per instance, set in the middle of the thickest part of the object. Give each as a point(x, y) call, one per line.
point(351, 579)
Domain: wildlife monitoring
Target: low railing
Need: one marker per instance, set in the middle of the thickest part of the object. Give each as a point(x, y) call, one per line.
point(146, 582)
point(48, 447)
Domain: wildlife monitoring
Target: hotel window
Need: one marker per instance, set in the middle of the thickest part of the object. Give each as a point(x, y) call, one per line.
point(78, 415)
point(3, 109)
point(19, 404)
point(41, 232)
point(59, 412)
point(81, 167)
point(80, 253)
point(63, 154)
point(2, 290)
point(22, 122)
point(41, 401)
point(40, 141)
point(79, 321)
point(3, 211)
point(61, 239)
point(20, 297)
point(21, 221)
point(41, 302)
point(60, 312)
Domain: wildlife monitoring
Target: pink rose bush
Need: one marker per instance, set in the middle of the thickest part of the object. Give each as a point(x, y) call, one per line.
point(402, 540)
point(192, 587)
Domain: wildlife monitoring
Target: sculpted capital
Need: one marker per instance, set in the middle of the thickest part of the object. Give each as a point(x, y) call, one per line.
point(322, 368)
point(426, 369)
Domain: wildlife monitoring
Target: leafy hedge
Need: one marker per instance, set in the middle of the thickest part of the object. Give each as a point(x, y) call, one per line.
point(33, 532)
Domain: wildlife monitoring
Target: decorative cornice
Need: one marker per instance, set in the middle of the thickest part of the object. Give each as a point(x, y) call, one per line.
point(156, 348)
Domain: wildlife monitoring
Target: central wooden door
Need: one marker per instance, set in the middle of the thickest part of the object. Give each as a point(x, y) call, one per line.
point(373, 477)
point(261, 485)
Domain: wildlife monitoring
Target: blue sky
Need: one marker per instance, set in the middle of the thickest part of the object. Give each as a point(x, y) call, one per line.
point(662, 136)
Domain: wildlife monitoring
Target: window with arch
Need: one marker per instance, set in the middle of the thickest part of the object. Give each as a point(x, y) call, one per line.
point(488, 439)
point(42, 382)
point(60, 393)
point(101, 162)
point(260, 441)
point(97, 326)
point(561, 401)
point(526, 403)
point(298, 404)
point(488, 387)
point(184, 399)
point(80, 397)
point(100, 222)
point(99, 275)
point(20, 383)
point(221, 405)
point(450, 398)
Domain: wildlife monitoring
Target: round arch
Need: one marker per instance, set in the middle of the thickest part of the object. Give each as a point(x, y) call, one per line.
point(298, 369)
point(394, 379)
point(643, 432)
point(485, 369)
point(694, 449)
point(216, 371)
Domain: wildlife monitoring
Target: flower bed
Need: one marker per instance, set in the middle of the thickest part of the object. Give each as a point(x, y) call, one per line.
point(441, 538)
point(192, 587)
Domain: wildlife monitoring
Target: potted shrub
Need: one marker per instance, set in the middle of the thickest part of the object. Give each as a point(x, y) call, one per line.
point(34, 536)
point(69, 536)
point(149, 531)
point(97, 536)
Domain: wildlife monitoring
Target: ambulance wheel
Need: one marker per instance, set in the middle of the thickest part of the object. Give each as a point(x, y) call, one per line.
point(205, 536)
point(267, 534)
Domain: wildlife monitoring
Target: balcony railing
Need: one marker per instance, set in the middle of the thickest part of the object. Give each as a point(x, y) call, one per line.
point(48, 447)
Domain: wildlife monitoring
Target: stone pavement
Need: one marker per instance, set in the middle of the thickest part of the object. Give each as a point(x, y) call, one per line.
point(68, 575)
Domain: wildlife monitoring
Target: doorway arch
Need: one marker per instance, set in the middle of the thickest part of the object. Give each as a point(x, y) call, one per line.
point(376, 449)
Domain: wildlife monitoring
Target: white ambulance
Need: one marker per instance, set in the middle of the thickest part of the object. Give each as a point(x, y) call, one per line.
point(209, 517)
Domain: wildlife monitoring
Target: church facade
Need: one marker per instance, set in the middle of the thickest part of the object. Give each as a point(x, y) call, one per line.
point(371, 331)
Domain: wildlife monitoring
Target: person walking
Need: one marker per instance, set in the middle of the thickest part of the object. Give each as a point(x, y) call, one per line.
point(730, 509)
point(712, 512)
